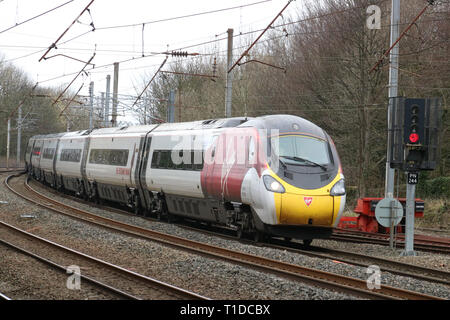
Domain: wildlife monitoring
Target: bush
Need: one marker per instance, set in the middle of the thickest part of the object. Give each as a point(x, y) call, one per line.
point(435, 188)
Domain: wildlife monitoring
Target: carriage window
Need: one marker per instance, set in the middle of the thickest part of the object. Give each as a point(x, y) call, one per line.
point(36, 151)
point(70, 155)
point(112, 157)
point(191, 160)
point(49, 153)
point(197, 160)
point(164, 159)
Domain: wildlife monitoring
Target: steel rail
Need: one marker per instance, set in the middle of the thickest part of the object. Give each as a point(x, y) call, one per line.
point(381, 241)
point(311, 276)
point(64, 269)
point(352, 258)
point(153, 282)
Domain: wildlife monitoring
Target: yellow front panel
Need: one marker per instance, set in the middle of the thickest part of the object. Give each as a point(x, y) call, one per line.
point(298, 206)
point(299, 209)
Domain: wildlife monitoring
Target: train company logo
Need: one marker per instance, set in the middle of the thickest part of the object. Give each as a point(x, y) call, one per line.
point(308, 200)
point(123, 171)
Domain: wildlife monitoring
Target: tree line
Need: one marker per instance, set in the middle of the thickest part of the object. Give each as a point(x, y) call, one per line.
point(317, 66)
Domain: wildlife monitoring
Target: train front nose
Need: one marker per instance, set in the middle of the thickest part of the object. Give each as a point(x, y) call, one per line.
point(317, 207)
point(302, 208)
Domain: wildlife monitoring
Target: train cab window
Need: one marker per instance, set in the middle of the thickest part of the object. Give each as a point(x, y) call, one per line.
point(303, 150)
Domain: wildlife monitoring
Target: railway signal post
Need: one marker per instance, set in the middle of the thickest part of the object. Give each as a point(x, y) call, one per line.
point(414, 147)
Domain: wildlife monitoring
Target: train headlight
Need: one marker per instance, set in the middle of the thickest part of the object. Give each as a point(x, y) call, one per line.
point(273, 185)
point(338, 188)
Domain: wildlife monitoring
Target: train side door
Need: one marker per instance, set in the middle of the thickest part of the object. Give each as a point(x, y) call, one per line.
point(207, 179)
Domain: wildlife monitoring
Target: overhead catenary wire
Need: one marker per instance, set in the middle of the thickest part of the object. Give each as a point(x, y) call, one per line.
point(430, 3)
point(160, 67)
point(60, 95)
point(35, 17)
point(182, 17)
point(211, 41)
point(154, 54)
point(53, 45)
point(264, 31)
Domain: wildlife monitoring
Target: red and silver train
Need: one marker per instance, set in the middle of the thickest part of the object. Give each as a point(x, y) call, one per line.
point(276, 175)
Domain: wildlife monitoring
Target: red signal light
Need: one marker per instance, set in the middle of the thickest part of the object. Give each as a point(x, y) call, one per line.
point(413, 137)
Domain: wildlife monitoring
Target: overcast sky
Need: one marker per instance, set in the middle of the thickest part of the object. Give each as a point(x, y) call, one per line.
point(26, 43)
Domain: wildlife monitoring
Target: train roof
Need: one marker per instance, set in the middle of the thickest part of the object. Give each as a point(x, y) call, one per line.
point(123, 130)
point(283, 122)
point(286, 123)
point(202, 124)
point(47, 136)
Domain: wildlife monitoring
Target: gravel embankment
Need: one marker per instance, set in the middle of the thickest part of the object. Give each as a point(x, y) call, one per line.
point(208, 277)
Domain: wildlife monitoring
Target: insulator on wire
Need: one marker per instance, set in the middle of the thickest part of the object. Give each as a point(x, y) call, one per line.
point(179, 54)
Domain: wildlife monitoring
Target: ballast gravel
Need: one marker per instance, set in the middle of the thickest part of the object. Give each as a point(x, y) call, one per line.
point(209, 277)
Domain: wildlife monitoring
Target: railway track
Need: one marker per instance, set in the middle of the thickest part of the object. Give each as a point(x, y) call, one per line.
point(395, 267)
point(313, 277)
point(420, 242)
point(433, 246)
point(102, 274)
point(386, 265)
point(61, 269)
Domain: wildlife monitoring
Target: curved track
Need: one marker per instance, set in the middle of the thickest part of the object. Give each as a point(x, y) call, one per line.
point(146, 287)
point(102, 286)
point(143, 287)
point(386, 265)
point(395, 267)
point(314, 277)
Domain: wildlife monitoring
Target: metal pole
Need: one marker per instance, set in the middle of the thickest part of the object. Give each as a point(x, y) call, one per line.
point(108, 93)
point(115, 92)
point(171, 107)
point(8, 138)
point(393, 92)
point(102, 104)
point(19, 135)
point(91, 101)
point(409, 228)
point(229, 75)
point(392, 225)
